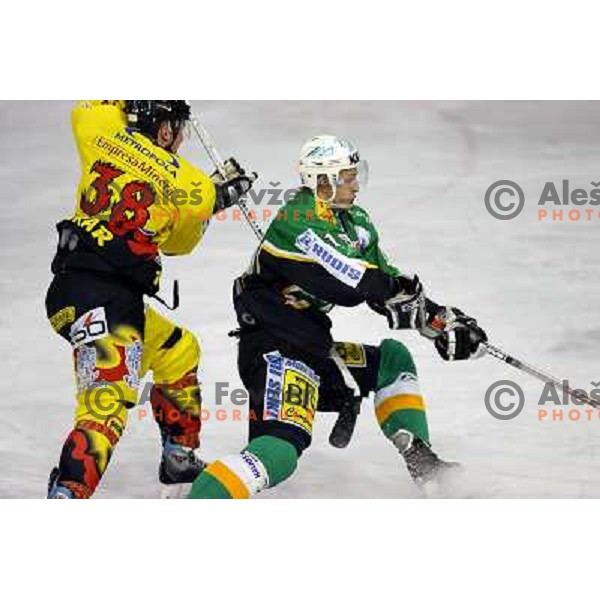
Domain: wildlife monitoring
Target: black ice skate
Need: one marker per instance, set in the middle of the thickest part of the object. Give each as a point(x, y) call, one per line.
point(179, 467)
point(423, 464)
point(179, 464)
point(55, 491)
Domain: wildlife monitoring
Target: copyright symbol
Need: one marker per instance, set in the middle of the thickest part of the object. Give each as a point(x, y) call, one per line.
point(504, 209)
point(504, 410)
point(103, 401)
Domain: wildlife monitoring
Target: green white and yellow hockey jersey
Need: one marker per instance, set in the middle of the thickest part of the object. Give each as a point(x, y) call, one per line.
point(311, 259)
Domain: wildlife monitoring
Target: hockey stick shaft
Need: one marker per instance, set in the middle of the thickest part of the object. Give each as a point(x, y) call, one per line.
point(209, 145)
point(539, 374)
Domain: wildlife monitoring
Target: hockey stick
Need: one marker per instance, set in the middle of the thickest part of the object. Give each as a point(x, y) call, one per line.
point(208, 143)
point(539, 374)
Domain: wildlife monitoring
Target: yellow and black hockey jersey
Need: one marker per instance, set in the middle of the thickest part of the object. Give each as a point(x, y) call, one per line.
point(135, 200)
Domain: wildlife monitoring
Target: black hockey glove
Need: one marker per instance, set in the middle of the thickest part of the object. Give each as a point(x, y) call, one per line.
point(235, 184)
point(230, 192)
point(405, 310)
point(461, 338)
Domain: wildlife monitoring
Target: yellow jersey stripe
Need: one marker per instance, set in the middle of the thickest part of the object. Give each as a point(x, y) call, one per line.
point(234, 485)
point(284, 254)
point(400, 402)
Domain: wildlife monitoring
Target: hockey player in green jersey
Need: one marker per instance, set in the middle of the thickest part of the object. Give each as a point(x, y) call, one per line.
point(322, 250)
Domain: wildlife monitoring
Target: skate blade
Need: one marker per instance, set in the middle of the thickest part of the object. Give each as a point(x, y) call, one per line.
point(174, 491)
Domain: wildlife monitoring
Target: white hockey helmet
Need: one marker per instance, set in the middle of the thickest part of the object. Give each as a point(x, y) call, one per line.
point(328, 155)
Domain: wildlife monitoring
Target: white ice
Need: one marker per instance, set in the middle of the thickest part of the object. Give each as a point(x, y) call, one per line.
point(531, 284)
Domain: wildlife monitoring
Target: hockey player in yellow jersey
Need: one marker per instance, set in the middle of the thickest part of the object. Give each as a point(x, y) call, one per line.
point(137, 199)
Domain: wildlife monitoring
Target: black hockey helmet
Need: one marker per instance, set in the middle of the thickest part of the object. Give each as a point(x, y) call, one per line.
point(146, 116)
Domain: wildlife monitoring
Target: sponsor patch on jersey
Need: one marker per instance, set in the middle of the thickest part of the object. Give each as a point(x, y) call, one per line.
point(291, 392)
point(85, 368)
point(170, 163)
point(120, 372)
point(273, 385)
point(89, 327)
point(133, 362)
point(63, 317)
point(352, 354)
point(344, 269)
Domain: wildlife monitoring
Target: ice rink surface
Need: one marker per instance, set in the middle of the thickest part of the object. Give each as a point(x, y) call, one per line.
point(532, 285)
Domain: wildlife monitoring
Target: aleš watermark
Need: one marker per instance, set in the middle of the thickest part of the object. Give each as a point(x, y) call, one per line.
point(500, 199)
point(104, 400)
point(162, 192)
point(505, 400)
point(557, 201)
